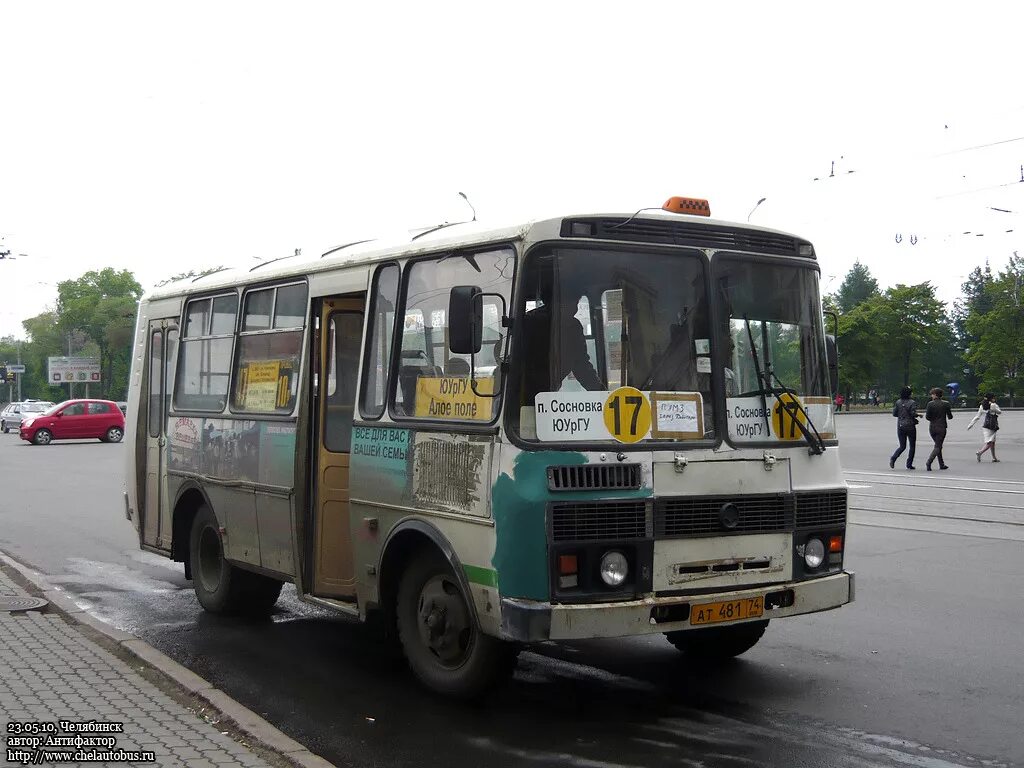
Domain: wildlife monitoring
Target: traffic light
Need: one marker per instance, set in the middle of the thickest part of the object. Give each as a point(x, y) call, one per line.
point(3, 374)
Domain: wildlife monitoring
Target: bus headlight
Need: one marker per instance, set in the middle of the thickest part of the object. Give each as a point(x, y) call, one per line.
point(814, 553)
point(614, 568)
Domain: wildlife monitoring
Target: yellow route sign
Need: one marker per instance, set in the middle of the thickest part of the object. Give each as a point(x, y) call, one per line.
point(452, 397)
point(627, 414)
point(787, 417)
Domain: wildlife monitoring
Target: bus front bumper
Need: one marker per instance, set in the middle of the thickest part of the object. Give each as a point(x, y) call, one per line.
point(530, 621)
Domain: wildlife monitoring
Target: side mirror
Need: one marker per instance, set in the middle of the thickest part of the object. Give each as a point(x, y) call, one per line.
point(832, 358)
point(465, 319)
point(59, 414)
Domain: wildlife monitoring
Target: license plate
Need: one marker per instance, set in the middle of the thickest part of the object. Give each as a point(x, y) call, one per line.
point(727, 610)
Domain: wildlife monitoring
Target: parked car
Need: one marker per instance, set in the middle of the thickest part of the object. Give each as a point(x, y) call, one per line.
point(11, 416)
point(75, 419)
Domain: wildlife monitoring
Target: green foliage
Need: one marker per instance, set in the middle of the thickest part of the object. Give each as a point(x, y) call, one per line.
point(898, 337)
point(103, 306)
point(997, 331)
point(858, 287)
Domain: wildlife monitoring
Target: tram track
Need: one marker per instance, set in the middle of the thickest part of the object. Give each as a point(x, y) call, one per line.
point(937, 504)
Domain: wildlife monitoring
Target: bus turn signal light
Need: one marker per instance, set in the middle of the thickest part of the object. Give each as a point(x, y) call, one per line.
point(694, 206)
point(567, 564)
point(835, 544)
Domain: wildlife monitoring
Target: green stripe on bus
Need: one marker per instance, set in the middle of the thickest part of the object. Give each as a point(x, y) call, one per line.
point(478, 575)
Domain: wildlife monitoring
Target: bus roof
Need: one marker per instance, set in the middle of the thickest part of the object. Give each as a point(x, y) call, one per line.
point(454, 235)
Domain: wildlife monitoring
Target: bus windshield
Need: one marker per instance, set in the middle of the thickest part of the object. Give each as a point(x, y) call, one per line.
point(593, 320)
point(775, 341)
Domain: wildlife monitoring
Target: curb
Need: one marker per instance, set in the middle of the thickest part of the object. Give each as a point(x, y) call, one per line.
point(243, 718)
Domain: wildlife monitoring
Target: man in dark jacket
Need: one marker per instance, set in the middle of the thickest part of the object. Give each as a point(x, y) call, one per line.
point(938, 413)
point(556, 347)
point(905, 411)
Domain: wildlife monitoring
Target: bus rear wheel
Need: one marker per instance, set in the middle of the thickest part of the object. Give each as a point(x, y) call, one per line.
point(718, 643)
point(220, 586)
point(441, 641)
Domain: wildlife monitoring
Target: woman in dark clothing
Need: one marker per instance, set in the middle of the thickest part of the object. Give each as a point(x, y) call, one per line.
point(905, 411)
point(938, 413)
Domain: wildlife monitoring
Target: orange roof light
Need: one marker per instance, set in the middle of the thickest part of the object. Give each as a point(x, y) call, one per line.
point(691, 205)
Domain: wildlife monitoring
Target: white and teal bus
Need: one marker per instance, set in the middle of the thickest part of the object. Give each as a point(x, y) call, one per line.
point(594, 426)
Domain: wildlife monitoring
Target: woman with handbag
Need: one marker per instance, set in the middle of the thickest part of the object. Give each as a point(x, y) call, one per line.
point(988, 410)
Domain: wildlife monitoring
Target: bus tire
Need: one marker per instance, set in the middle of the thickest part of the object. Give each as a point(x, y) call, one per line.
point(259, 593)
point(219, 585)
point(442, 643)
point(718, 643)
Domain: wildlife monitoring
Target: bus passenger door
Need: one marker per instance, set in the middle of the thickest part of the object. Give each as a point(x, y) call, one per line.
point(341, 328)
point(156, 515)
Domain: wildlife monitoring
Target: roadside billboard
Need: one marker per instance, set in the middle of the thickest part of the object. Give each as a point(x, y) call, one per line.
point(72, 370)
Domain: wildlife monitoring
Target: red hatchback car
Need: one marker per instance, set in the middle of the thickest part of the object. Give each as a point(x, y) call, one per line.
point(75, 419)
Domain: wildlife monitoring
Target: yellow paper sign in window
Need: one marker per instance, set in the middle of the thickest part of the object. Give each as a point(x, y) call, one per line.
point(452, 397)
point(261, 390)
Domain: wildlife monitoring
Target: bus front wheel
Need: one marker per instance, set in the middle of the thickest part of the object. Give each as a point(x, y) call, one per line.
point(718, 643)
point(221, 587)
point(441, 641)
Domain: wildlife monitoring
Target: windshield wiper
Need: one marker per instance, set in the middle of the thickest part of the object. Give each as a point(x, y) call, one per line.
point(815, 441)
point(763, 383)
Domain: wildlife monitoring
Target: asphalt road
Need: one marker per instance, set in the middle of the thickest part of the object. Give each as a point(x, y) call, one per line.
point(923, 670)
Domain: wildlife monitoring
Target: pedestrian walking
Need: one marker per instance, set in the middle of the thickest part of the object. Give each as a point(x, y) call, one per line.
point(938, 413)
point(989, 411)
point(905, 411)
point(839, 402)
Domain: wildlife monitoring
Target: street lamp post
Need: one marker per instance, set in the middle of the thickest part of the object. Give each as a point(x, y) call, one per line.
point(758, 203)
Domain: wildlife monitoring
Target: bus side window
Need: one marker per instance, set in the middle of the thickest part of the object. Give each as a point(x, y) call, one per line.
point(201, 383)
point(378, 341)
point(346, 329)
point(269, 349)
point(433, 382)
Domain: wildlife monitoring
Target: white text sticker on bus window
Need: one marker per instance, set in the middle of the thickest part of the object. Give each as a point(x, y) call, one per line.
point(778, 419)
point(819, 408)
point(749, 418)
point(571, 416)
point(623, 415)
point(702, 346)
point(677, 415)
point(703, 365)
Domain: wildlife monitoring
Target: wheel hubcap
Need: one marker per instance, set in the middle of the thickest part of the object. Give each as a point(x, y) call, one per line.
point(444, 622)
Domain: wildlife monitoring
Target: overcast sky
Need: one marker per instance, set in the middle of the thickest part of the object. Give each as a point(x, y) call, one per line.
point(166, 137)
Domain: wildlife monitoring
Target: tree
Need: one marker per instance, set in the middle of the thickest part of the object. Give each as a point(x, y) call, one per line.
point(861, 346)
point(976, 300)
point(103, 306)
point(998, 353)
point(916, 331)
point(857, 287)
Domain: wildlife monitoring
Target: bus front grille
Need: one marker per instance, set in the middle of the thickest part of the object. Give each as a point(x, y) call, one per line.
point(594, 477)
point(598, 521)
point(822, 509)
point(722, 515)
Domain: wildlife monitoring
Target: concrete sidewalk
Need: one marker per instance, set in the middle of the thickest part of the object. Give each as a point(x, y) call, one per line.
point(74, 690)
